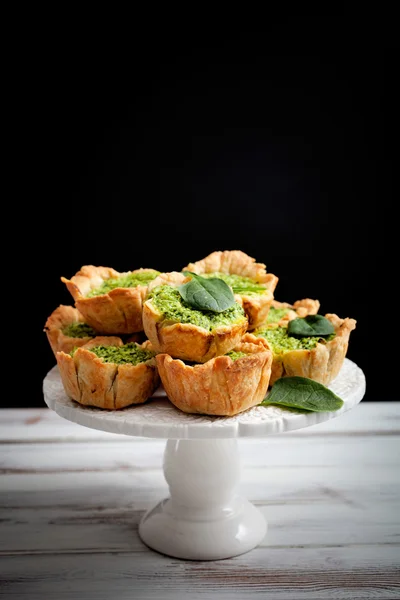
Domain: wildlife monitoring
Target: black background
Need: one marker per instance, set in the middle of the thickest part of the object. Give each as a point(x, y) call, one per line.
point(155, 147)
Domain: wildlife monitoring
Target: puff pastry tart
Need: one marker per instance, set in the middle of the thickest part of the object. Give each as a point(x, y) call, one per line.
point(315, 357)
point(282, 312)
point(248, 280)
point(175, 328)
point(108, 374)
point(66, 329)
point(110, 302)
point(225, 385)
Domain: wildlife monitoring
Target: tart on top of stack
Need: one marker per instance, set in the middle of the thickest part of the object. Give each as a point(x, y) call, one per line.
point(249, 281)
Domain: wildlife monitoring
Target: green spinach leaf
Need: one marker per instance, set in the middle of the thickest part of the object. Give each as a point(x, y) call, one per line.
point(310, 326)
point(207, 294)
point(304, 394)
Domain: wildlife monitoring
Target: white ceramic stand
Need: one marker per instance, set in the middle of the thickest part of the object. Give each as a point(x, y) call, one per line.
point(204, 518)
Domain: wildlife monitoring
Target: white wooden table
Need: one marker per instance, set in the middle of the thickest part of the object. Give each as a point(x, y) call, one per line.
point(71, 499)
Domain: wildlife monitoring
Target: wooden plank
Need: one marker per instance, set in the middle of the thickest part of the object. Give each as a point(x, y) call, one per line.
point(325, 520)
point(30, 425)
point(84, 511)
point(100, 488)
point(140, 454)
point(43, 424)
point(357, 573)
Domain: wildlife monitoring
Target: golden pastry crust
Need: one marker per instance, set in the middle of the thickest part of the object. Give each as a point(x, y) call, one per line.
point(233, 262)
point(220, 386)
point(236, 262)
point(117, 312)
point(301, 308)
point(184, 340)
point(322, 363)
point(59, 319)
point(89, 380)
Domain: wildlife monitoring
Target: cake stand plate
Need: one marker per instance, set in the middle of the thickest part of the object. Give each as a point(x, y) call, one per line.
point(204, 518)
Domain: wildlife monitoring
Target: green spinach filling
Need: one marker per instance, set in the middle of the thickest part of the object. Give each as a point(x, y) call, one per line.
point(170, 303)
point(276, 314)
point(235, 355)
point(129, 354)
point(282, 342)
point(79, 330)
point(239, 285)
point(127, 281)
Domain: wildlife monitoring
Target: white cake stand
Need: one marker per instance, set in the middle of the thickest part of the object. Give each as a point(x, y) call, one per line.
point(204, 518)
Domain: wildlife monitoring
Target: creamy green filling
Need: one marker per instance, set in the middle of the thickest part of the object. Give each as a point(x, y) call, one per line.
point(232, 354)
point(239, 285)
point(127, 281)
point(130, 354)
point(282, 342)
point(235, 355)
point(78, 330)
point(276, 314)
point(170, 303)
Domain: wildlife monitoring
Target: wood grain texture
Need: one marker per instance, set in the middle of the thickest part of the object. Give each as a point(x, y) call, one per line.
point(71, 499)
point(42, 424)
point(284, 574)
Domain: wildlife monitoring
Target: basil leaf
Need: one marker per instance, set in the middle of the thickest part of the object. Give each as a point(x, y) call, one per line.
point(310, 326)
point(207, 294)
point(302, 393)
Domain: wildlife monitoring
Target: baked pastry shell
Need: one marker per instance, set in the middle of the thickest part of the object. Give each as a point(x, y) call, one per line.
point(184, 340)
point(236, 262)
point(187, 341)
point(60, 318)
point(221, 386)
point(119, 311)
point(90, 381)
point(322, 363)
point(300, 309)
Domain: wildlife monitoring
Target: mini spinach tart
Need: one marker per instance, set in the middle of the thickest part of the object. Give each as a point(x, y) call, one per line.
point(109, 301)
point(248, 279)
point(66, 329)
point(318, 357)
point(224, 386)
point(282, 312)
point(107, 373)
point(174, 327)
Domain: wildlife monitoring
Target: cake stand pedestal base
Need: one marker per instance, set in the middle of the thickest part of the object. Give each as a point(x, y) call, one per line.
point(205, 518)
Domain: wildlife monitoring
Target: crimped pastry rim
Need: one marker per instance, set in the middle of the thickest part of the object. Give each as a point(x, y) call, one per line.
point(84, 373)
point(226, 386)
point(321, 362)
point(61, 317)
point(236, 262)
point(118, 311)
point(169, 323)
point(90, 271)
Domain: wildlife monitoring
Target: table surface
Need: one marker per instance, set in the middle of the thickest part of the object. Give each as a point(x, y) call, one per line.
point(71, 499)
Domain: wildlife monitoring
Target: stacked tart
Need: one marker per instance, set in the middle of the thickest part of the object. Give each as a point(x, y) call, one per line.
point(212, 334)
point(109, 301)
point(317, 356)
point(248, 279)
point(107, 373)
point(203, 364)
